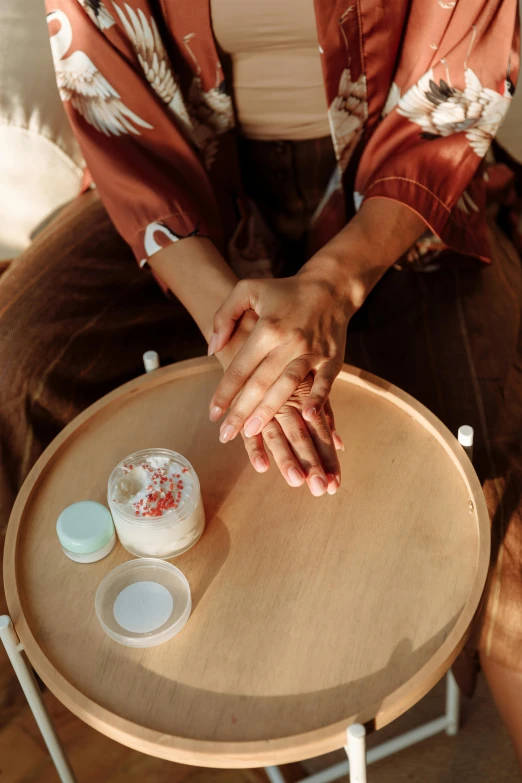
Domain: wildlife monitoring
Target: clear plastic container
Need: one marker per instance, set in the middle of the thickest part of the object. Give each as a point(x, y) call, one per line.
point(143, 602)
point(155, 500)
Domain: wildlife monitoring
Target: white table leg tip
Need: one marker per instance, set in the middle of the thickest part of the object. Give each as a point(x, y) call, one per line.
point(151, 361)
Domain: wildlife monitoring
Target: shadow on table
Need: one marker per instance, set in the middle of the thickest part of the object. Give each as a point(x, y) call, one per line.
point(242, 717)
point(212, 549)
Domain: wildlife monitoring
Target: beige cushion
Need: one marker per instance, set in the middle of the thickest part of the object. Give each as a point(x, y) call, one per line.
point(40, 162)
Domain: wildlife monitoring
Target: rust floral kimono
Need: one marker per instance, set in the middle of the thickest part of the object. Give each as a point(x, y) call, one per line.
point(416, 91)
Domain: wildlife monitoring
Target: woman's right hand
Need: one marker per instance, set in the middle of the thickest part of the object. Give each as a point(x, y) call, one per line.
point(303, 451)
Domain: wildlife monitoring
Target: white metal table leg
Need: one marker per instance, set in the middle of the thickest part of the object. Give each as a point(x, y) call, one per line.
point(32, 693)
point(274, 775)
point(452, 705)
point(356, 752)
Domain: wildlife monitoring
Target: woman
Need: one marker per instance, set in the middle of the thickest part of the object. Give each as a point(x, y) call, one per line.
point(236, 140)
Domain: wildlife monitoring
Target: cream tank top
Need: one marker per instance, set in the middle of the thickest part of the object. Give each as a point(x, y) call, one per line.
point(276, 67)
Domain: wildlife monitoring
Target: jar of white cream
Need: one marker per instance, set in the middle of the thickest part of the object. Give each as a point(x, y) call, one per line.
point(155, 501)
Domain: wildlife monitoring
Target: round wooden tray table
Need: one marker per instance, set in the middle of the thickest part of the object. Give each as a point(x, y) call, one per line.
point(308, 613)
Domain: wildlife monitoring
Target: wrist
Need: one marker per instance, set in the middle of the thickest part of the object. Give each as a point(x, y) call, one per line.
point(341, 276)
point(359, 255)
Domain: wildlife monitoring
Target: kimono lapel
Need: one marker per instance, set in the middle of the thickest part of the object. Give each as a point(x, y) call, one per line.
point(190, 25)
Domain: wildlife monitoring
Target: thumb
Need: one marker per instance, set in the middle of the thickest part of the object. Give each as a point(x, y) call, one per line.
point(225, 319)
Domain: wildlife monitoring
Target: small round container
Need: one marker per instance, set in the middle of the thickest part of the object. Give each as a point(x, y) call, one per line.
point(155, 500)
point(86, 531)
point(143, 603)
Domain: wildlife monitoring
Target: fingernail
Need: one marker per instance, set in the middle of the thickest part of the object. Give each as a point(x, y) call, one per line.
point(332, 483)
point(212, 344)
point(260, 465)
point(227, 433)
point(253, 427)
point(295, 478)
point(215, 413)
point(311, 413)
point(338, 441)
point(317, 486)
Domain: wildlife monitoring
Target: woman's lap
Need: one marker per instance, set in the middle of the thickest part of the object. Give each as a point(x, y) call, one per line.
point(76, 314)
point(451, 339)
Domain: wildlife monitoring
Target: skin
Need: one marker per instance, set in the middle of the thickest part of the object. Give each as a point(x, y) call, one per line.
point(303, 319)
point(304, 452)
point(281, 342)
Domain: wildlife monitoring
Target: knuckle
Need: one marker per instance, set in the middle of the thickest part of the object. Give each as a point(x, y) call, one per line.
point(287, 462)
point(270, 433)
point(293, 376)
point(297, 435)
point(260, 386)
point(266, 412)
point(274, 329)
point(322, 432)
point(236, 418)
point(236, 375)
point(300, 339)
point(242, 287)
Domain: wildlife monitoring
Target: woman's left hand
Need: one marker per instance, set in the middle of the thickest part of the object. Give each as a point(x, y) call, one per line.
point(301, 330)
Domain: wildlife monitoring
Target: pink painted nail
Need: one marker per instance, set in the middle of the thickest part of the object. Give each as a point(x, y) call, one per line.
point(212, 344)
point(227, 433)
point(317, 486)
point(295, 478)
point(253, 427)
point(338, 441)
point(215, 413)
point(260, 465)
point(332, 484)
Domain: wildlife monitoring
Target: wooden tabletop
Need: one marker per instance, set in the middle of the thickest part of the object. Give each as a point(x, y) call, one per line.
point(308, 613)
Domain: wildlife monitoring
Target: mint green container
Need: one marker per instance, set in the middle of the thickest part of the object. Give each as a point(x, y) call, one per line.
point(86, 531)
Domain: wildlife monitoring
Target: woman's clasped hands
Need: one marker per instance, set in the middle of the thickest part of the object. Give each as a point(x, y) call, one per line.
point(290, 335)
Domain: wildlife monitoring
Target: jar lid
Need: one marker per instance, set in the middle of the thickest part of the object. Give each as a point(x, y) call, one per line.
point(143, 602)
point(85, 527)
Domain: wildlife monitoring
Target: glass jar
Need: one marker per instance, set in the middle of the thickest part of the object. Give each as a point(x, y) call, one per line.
point(155, 500)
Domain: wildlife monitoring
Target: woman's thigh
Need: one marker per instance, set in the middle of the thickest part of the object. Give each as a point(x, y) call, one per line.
point(76, 315)
point(451, 338)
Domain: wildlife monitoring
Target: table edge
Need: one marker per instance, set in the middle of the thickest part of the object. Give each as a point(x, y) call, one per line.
point(259, 752)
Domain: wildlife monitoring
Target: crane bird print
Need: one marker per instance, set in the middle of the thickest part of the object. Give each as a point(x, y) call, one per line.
point(441, 109)
point(89, 92)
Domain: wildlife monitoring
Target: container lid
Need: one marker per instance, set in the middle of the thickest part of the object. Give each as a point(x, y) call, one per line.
point(85, 527)
point(143, 602)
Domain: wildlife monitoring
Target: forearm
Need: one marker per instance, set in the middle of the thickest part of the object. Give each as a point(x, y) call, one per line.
point(196, 272)
point(198, 275)
point(359, 255)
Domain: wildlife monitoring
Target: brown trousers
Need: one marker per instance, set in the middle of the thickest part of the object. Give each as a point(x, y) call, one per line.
point(76, 315)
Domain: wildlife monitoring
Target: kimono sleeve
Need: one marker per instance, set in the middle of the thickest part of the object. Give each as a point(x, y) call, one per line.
point(437, 127)
point(128, 113)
